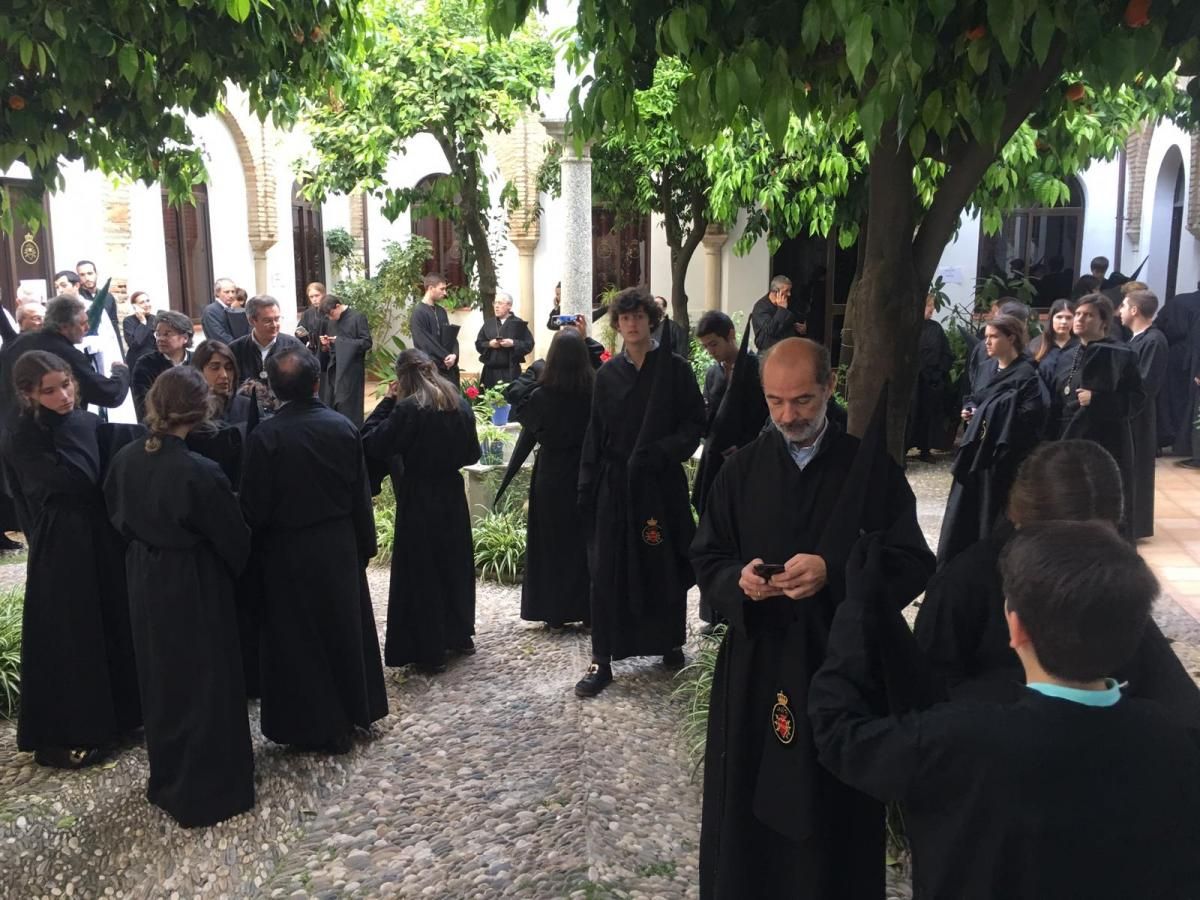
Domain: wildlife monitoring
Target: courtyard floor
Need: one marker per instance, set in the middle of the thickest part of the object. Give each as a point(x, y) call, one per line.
point(491, 780)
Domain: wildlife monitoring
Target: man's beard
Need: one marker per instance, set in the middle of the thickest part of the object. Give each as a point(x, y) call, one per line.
point(802, 432)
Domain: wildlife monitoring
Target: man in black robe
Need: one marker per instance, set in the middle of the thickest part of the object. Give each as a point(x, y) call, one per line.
point(680, 342)
point(252, 351)
point(65, 326)
point(927, 418)
point(1025, 799)
point(503, 343)
point(775, 823)
point(1137, 314)
point(431, 331)
point(345, 342)
point(306, 487)
point(771, 317)
point(1176, 320)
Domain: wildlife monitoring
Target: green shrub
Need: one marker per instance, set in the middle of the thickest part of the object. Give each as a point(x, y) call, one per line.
point(694, 690)
point(385, 522)
point(500, 547)
point(12, 602)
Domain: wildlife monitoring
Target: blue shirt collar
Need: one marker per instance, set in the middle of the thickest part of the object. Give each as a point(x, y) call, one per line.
point(1107, 697)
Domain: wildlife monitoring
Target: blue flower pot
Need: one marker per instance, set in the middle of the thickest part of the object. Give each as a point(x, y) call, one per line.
point(500, 414)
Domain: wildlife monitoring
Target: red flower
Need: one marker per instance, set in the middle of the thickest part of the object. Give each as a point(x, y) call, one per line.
point(605, 356)
point(472, 392)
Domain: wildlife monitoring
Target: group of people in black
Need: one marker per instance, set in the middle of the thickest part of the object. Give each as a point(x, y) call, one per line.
point(1034, 699)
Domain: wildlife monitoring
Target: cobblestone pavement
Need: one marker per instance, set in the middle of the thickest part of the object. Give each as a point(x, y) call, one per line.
point(489, 781)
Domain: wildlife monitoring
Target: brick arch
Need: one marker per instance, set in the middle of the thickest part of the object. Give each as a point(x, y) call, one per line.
point(258, 170)
point(1193, 194)
point(1137, 153)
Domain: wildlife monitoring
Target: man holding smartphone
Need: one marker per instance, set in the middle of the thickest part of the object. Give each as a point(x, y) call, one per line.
point(779, 522)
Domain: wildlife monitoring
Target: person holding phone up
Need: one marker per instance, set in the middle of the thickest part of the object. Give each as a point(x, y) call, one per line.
point(779, 522)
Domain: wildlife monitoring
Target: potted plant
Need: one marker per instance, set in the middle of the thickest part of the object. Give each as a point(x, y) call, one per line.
point(492, 439)
point(493, 399)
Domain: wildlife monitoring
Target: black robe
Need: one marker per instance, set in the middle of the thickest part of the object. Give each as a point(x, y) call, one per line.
point(522, 388)
point(185, 550)
point(94, 388)
point(431, 599)
point(139, 339)
point(1038, 798)
point(79, 683)
point(345, 378)
point(146, 372)
point(1010, 415)
point(503, 363)
point(556, 586)
point(314, 322)
point(1110, 371)
point(1151, 349)
point(252, 366)
point(306, 498)
point(927, 417)
point(734, 419)
point(1176, 319)
point(963, 635)
point(633, 493)
point(771, 323)
point(775, 823)
point(431, 331)
point(1048, 364)
point(680, 342)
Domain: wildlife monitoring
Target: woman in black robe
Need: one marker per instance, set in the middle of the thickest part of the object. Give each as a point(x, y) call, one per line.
point(217, 364)
point(556, 585)
point(172, 337)
point(1050, 347)
point(422, 434)
point(1004, 422)
point(961, 628)
point(646, 421)
point(185, 550)
point(139, 329)
point(1099, 391)
point(79, 690)
point(927, 419)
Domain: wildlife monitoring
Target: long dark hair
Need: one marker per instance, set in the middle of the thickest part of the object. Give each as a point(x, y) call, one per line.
point(207, 350)
point(28, 372)
point(1047, 337)
point(417, 376)
point(568, 365)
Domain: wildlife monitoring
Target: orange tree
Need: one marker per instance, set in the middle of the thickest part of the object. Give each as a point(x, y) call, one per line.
point(936, 89)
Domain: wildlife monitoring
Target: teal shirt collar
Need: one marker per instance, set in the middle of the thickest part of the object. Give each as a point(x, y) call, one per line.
point(1107, 697)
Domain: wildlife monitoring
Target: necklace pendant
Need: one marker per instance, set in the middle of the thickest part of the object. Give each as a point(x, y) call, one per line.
point(1067, 391)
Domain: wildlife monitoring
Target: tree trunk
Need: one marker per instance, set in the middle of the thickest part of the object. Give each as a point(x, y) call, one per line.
point(886, 301)
point(681, 258)
point(475, 230)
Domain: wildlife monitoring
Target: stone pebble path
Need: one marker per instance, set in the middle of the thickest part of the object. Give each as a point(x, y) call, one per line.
point(489, 781)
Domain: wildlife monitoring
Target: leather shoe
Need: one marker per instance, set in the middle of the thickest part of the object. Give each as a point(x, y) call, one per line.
point(598, 677)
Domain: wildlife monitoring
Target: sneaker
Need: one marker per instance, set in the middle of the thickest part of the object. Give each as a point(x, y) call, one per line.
point(674, 659)
point(598, 677)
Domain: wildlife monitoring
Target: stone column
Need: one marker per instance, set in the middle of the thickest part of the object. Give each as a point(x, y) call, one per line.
point(526, 245)
point(714, 241)
point(576, 174)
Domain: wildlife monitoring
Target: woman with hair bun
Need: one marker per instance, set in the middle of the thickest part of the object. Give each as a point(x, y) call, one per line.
point(961, 627)
point(421, 435)
point(185, 550)
point(79, 690)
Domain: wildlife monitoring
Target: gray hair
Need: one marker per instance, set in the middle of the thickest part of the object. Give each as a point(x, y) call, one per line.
point(220, 281)
point(258, 303)
point(505, 296)
point(61, 312)
point(29, 309)
point(779, 281)
point(176, 321)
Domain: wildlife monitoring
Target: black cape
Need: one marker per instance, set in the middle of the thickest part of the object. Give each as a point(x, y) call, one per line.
point(139, 339)
point(503, 363)
point(634, 496)
point(1152, 353)
point(556, 586)
point(252, 366)
point(306, 497)
point(345, 378)
point(1009, 418)
point(776, 823)
point(1110, 371)
point(927, 415)
point(963, 635)
point(185, 550)
point(1014, 800)
point(78, 678)
point(94, 388)
point(1177, 319)
point(431, 600)
point(771, 323)
point(432, 332)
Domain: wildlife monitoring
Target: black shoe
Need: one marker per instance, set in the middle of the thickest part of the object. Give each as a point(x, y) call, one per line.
point(468, 649)
point(674, 659)
point(598, 677)
point(68, 758)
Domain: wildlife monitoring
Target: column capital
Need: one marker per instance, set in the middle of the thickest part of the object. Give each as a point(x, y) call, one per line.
point(559, 129)
point(714, 238)
point(525, 243)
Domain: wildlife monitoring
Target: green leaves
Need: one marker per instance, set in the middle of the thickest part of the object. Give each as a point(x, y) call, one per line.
point(127, 63)
point(1043, 33)
point(239, 10)
point(860, 44)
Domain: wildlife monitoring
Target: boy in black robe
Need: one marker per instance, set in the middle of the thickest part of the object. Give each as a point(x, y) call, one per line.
point(1137, 313)
point(431, 331)
point(305, 490)
point(503, 343)
point(1073, 790)
point(345, 341)
point(775, 823)
point(927, 420)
